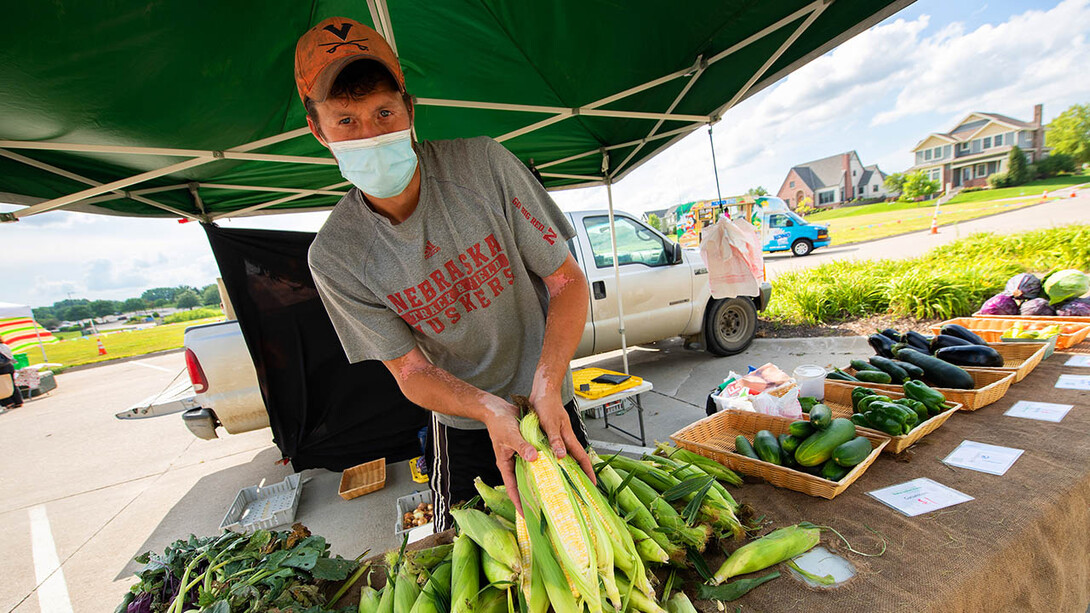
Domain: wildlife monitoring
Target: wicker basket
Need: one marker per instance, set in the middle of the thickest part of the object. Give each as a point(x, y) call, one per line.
point(1045, 318)
point(713, 437)
point(839, 400)
point(363, 479)
point(1019, 358)
point(991, 329)
point(989, 385)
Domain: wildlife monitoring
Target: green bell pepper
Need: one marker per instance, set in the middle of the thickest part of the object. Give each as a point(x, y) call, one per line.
point(920, 408)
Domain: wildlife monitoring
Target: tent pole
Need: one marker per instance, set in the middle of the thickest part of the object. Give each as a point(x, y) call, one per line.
point(39, 337)
point(616, 266)
point(718, 194)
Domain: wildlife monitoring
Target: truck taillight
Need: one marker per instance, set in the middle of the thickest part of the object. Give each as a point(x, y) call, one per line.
point(196, 373)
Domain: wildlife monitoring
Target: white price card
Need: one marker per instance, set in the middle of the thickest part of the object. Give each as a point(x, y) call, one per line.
point(1043, 411)
point(1078, 360)
point(1074, 382)
point(919, 496)
point(982, 457)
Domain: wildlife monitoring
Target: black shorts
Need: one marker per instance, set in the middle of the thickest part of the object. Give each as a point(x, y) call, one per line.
point(456, 457)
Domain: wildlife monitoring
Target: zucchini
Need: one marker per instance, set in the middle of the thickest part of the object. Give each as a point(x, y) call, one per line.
point(971, 355)
point(742, 446)
point(853, 452)
point(938, 372)
point(887, 366)
point(871, 376)
point(788, 444)
point(861, 365)
point(962, 332)
point(820, 416)
point(801, 429)
point(833, 471)
point(767, 447)
point(840, 375)
point(818, 447)
point(914, 372)
point(945, 340)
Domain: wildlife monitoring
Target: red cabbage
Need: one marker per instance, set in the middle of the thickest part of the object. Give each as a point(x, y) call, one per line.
point(1076, 307)
point(1000, 304)
point(1037, 306)
point(1024, 286)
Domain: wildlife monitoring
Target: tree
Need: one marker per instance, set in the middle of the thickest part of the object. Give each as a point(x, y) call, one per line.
point(188, 299)
point(1069, 133)
point(757, 191)
point(210, 295)
point(654, 221)
point(1017, 172)
point(917, 184)
point(133, 305)
point(102, 308)
point(78, 312)
point(894, 183)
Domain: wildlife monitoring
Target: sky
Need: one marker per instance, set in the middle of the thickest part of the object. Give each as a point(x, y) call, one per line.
point(919, 71)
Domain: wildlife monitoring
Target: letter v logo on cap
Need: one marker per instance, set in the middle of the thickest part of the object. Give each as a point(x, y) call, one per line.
point(341, 33)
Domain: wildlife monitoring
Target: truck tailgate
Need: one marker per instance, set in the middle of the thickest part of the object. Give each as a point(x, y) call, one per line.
point(175, 399)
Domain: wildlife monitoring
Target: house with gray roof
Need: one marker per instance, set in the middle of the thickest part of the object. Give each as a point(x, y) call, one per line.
point(978, 147)
point(832, 180)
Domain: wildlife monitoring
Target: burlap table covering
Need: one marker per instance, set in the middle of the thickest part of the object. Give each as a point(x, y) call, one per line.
point(1023, 544)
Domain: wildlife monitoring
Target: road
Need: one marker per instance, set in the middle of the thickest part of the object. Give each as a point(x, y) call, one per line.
point(1052, 214)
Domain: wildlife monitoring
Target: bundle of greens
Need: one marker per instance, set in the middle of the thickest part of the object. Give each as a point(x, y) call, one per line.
point(264, 571)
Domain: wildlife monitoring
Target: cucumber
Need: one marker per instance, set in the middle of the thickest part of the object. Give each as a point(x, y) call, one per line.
point(840, 375)
point(788, 445)
point(861, 365)
point(914, 372)
point(872, 376)
point(833, 471)
point(820, 416)
point(818, 447)
point(887, 366)
point(801, 429)
point(853, 452)
point(742, 446)
point(767, 447)
point(938, 372)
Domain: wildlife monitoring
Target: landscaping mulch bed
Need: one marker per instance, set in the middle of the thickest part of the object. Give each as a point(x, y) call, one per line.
point(855, 327)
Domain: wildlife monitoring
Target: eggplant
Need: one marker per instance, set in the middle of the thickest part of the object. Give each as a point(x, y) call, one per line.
point(971, 355)
point(883, 345)
point(945, 340)
point(917, 341)
point(963, 333)
point(893, 334)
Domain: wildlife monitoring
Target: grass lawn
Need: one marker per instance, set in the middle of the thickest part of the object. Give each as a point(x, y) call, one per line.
point(1029, 189)
point(118, 345)
point(846, 230)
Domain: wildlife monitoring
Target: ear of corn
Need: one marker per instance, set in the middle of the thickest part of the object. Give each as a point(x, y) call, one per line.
point(496, 572)
point(406, 590)
point(668, 518)
point(641, 517)
point(386, 602)
point(777, 546)
point(496, 500)
point(435, 597)
point(531, 583)
point(649, 550)
point(490, 536)
point(708, 465)
point(492, 600)
point(564, 522)
point(556, 584)
point(718, 495)
point(603, 553)
point(637, 600)
point(680, 603)
point(369, 600)
point(466, 575)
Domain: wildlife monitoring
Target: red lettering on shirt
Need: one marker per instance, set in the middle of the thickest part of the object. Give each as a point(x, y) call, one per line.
point(440, 281)
point(479, 295)
point(495, 285)
point(475, 253)
point(494, 248)
point(550, 236)
point(453, 315)
point(436, 325)
point(399, 302)
point(452, 270)
point(427, 290)
point(410, 293)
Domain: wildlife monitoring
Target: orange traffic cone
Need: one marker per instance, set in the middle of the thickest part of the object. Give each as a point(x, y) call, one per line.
point(101, 347)
point(935, 224)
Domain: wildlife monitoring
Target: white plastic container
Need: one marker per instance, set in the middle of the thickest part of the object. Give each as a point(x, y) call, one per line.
point(406, 504)
point(264, 508)
point(811, 380)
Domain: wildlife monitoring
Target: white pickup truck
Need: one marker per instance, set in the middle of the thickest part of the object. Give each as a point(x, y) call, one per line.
point(664, 289)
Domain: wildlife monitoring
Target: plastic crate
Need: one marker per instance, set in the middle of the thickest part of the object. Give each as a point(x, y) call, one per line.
point(262, 508)
point(406, 504)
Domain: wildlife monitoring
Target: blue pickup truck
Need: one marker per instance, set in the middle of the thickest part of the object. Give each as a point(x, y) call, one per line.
point(783, 230)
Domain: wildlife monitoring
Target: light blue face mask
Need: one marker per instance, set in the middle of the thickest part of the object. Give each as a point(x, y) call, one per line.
point(381, 166)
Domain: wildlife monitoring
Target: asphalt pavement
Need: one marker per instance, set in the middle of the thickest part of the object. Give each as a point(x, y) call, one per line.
point(1049, 215)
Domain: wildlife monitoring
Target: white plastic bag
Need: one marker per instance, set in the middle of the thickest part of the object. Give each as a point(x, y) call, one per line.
point(724, 249)
point(785, 406)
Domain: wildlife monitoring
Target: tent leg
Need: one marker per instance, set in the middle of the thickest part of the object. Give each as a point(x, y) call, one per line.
point(715, 167)
point(616, 266)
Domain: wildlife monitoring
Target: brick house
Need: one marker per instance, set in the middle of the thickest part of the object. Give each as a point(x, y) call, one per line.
point(833, 180)
point(978, 147)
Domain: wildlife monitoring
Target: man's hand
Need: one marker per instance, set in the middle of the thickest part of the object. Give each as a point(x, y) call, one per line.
point(503, 429)
point(557, 426)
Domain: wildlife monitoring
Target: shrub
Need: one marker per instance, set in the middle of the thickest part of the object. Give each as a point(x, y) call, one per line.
point(1054, 165)
point(192, 314)
point(998, 180)
point(979, 188)
point(1017, 168)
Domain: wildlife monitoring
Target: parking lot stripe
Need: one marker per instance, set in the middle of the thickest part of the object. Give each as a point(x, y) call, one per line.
point(153, 366)
point(52, 590)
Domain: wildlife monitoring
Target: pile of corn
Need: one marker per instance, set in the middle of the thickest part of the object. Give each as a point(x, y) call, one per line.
point(578, 547)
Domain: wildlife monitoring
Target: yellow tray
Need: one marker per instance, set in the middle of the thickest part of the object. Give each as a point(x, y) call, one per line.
point(584, 376)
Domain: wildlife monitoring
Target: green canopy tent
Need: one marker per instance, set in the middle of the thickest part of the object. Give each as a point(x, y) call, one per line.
point(167, 108)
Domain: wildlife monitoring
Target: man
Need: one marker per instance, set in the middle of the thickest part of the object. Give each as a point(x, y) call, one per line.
point(447, 261)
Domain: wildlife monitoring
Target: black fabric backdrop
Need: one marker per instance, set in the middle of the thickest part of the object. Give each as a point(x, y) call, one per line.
point(324, 412)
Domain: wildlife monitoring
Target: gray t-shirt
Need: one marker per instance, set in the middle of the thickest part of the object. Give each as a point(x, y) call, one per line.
point(461, 277)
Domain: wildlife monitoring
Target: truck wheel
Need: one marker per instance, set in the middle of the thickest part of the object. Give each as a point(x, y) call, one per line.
point(729, 325)
point(802, 247)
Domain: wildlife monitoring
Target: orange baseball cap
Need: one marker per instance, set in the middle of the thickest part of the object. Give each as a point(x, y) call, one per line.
point(328, 47)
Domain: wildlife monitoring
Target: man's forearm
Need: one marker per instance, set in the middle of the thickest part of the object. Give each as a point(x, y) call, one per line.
point(435, 389)
point(564, 325)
